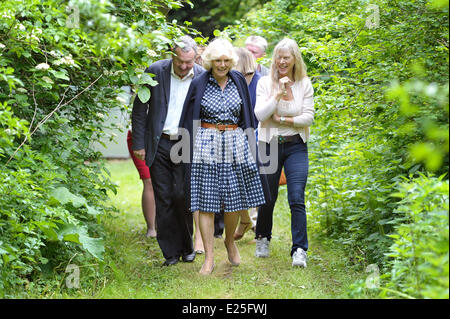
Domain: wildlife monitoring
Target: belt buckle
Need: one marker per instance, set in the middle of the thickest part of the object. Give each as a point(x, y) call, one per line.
point(217, 126)
point(281, 139)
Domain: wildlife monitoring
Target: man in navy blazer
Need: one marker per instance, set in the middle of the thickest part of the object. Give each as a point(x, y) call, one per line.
point(154, 132)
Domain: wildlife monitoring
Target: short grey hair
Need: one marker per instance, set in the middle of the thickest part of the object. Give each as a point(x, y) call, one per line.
point(185, 43)
point(258, 41)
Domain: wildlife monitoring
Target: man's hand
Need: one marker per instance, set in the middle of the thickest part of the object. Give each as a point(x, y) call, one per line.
point(140, 154)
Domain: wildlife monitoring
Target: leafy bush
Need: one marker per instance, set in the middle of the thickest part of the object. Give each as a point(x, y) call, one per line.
point(62, 66)
point(418, 258)
point(381, 96)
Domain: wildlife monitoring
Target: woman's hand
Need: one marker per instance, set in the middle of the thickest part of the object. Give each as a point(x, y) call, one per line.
point(287, 120)
point(285, 81)
point(276, 118)
point(283, 85)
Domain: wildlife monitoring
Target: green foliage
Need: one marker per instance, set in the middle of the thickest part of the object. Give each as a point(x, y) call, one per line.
point(419, 255)
point(380, 74)
point(424, 111)
point(62, 66)
point(207, 15)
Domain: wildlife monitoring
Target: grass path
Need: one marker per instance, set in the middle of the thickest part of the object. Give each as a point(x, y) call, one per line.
point(135, 262)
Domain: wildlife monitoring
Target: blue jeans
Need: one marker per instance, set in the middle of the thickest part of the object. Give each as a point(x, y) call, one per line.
point(293, 156)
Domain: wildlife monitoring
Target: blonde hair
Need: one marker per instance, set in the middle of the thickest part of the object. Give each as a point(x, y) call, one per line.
point(299, 65)
point(216, 49)
point(247, 62)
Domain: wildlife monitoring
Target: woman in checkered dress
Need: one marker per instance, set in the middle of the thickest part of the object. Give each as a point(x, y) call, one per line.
point(223, 172)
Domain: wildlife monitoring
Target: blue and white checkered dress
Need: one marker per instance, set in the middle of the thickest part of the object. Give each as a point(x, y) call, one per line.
point(224, 174)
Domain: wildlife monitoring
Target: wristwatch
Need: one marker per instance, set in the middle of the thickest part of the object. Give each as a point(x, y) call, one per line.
point(282, 119)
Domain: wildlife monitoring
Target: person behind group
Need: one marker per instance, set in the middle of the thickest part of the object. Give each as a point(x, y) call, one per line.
point(285, 109)
point(222, 169)
point(247, 66)
point(148, 198)
point(154, 126)
point(198, 58)
point(198, 244)
point(257, 45)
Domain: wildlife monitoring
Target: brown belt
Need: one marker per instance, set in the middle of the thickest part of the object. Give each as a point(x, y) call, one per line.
point(167, 136)
point(220, 126)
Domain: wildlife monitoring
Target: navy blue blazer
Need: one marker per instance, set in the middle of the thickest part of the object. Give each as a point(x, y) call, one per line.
point(147, 119)
point(191, 112)
point(252, 90)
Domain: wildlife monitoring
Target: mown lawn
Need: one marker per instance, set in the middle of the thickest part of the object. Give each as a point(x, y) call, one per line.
point(134, 262)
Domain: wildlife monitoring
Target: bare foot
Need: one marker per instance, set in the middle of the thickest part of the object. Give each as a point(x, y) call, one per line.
point(198, 246)
point(207, 268)
point(241, 230)
point(233, 253)
point(151, 233)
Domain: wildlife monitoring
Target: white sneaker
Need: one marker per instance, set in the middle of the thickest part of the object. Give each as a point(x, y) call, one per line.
point(299, 258)
point(262, 248)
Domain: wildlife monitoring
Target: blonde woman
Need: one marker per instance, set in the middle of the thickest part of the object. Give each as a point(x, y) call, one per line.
point(222, 173)
point(285, 109)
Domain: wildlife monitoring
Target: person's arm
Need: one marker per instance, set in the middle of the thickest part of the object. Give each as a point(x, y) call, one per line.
point(188, 106)
point(306, 118)
point(138, 122)
point(265, 103)
point(287, 120)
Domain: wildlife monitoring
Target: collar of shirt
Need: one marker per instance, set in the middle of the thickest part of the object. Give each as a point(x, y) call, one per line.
point(187, 76)
point(213, 80)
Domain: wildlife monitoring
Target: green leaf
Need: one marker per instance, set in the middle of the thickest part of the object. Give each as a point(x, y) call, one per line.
point(144, 94)
point(93, 245)
point(92, 211)
point(60, 75)
point(49, 232)
point(47, 79)
point(63, 196)
point(147, 79)
point(79, 235)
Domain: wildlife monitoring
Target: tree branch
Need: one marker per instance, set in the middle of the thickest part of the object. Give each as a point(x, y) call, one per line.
point(45, 119)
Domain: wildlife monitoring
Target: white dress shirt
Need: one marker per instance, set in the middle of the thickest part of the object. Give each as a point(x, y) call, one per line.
point(178, 90)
